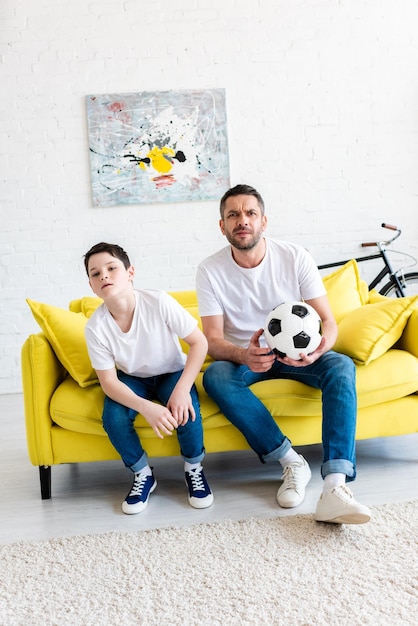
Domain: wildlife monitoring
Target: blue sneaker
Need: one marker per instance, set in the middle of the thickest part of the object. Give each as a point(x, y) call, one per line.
point(137, 498)
point(200, 495)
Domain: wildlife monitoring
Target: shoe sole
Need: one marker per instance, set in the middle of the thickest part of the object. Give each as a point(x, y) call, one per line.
point(286, 505)
point(349, 518)
point(141, 506)
point(201, 503)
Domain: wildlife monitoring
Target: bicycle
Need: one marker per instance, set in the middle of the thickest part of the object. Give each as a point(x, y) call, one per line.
point(400, 284)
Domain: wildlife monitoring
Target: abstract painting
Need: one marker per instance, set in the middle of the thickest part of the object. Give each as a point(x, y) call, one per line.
point(160, 146)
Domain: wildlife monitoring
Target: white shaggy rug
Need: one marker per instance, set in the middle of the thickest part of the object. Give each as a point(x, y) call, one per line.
point(284, 571)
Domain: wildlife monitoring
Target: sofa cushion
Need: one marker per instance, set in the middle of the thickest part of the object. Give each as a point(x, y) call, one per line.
point(86, 305)
point(375, 296)
point(65, 332)
point(409, 338)
point(392, 376)
point(369, 331)
point(80, 410)
point(345, 290)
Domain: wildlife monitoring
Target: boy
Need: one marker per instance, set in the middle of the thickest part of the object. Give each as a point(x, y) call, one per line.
point(132, 339)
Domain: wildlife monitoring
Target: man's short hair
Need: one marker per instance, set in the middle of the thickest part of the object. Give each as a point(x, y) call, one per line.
point(112, 248)
point(241, 190)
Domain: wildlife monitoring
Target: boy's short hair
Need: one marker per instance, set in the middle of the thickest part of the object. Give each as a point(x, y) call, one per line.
point(112, 248)
point(241, 190)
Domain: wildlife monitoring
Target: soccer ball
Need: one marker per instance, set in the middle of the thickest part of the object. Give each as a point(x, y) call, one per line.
point(293, 328)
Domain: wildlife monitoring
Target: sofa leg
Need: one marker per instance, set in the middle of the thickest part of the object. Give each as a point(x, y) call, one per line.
point(45, 478)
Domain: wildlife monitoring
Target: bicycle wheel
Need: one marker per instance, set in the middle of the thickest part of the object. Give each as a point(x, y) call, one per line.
point(409, 284)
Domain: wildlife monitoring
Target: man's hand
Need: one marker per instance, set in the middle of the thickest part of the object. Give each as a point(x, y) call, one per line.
point(305, 359)
point(258, 359)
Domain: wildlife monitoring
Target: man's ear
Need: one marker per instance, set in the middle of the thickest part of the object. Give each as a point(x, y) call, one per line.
point(131, 272)
point(264, 225)
point(221, 226)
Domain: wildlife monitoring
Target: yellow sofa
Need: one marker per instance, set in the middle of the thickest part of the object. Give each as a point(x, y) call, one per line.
point(63, 400)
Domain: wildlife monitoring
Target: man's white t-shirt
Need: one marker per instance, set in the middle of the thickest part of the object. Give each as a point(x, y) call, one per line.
point(151, 346)
point(245, 296)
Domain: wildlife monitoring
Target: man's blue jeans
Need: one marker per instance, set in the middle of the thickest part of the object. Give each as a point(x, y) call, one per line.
point(228, 384)
point(118, 421)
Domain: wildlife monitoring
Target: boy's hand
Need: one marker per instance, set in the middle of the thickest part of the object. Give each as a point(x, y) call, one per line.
point(181, 406)
point(159, 418)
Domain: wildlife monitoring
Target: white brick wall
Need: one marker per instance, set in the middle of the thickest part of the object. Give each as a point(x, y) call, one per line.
point(322, 99)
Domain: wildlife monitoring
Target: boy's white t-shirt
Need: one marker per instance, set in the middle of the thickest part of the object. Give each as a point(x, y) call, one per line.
point(245, 296)
point(151, 346)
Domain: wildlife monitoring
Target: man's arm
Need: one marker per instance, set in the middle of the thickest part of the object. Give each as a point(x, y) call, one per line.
point(256, 358)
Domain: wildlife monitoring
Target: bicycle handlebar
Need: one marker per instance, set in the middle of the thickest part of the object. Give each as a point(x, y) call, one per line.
point(368, 244)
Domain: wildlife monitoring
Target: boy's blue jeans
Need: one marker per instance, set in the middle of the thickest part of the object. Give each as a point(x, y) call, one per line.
point(118, 420)
point(228, 384)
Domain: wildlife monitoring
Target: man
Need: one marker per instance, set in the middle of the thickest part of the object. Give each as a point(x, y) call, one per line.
point(237, 287)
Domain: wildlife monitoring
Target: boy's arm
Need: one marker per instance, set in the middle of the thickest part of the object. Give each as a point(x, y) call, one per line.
point(180, 403)
point(159, 417)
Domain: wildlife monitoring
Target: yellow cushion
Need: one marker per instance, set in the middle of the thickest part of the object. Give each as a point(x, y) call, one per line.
point(345, 290)
point(409, 339)
point(364, 291)
point(86, 305)
point(65, 332)
point(375, 296)
point(369, 331)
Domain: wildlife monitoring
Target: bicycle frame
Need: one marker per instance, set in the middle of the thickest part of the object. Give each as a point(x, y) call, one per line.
point(387, 269)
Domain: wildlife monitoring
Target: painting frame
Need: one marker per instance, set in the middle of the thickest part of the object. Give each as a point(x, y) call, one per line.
point(158, 146)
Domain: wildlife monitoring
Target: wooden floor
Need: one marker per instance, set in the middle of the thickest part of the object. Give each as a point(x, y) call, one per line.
point(87, 498)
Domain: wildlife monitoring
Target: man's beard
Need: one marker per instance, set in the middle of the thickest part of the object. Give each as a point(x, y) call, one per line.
point(249, 245)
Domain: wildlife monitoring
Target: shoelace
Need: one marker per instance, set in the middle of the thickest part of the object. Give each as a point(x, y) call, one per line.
point(343, 493)
point(139, 484)
point(290, 476)
point(197, 480)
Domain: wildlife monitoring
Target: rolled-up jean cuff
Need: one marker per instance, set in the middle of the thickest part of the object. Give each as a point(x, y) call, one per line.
point(195, 459)
point(339, 466)
point(140, 464)
point(278, 453)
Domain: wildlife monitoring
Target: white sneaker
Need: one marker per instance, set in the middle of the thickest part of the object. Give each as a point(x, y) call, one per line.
point(295, 478)
point(338, 506)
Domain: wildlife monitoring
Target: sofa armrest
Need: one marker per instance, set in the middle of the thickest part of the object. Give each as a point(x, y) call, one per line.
point(41, 375)
point(409, 339)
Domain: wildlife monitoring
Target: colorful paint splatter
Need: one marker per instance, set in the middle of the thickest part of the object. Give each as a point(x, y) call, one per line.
point(163, 146)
